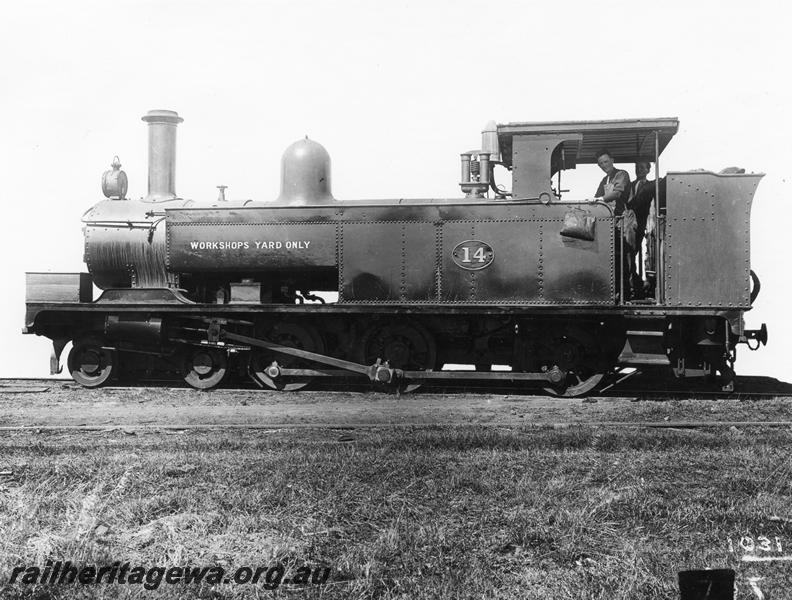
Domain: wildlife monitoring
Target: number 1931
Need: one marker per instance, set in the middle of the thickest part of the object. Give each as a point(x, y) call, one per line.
point(759, 544)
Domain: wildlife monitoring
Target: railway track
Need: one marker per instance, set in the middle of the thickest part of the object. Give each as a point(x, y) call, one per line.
point(642, 388)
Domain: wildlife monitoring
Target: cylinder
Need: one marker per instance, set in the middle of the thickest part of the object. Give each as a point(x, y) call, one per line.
point(135, 328)
point(162, 154)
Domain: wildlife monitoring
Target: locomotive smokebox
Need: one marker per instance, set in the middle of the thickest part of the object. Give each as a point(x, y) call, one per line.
point(162, 154)
point(305, 175)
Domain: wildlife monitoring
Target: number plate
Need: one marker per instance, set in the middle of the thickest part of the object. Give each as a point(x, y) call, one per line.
point(473, 255)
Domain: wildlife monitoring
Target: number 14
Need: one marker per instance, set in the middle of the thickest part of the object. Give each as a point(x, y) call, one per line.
point(478, 255)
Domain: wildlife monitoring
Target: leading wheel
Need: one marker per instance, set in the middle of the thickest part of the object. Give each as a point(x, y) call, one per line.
point(205, 368)
point(89, 363)
point(405, 345)
point(266, 363)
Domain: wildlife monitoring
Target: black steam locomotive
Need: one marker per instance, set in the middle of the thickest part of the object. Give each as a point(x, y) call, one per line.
point(518, 284)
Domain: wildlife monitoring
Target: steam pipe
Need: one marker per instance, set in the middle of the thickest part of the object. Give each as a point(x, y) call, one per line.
point(494, 186)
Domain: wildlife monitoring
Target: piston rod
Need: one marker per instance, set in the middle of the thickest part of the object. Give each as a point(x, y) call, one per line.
point(371, 371)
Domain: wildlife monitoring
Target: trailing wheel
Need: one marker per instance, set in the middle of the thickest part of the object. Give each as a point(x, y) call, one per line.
point(405, 345)
point(266, 365)
point(89, 363)
point(205, 368)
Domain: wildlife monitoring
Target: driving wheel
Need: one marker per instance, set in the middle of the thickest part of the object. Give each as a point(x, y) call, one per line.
point(265, 365)
point(404, 345)
point(574, 384)
point(577, 358)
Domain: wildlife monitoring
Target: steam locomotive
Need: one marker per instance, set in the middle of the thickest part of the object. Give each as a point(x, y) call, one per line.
point(308, 287)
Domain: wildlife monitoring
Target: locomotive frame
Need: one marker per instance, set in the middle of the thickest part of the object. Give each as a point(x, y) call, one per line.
point(200, 291)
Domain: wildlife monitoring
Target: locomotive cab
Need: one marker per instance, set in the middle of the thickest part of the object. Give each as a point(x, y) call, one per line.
point(536, 153)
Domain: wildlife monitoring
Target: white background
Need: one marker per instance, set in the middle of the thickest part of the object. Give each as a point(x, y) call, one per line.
point(394, 91)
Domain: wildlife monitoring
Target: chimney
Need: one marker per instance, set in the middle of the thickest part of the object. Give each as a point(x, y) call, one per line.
point(162, 154)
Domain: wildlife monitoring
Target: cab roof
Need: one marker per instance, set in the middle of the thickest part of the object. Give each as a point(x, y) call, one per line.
point(628, 140)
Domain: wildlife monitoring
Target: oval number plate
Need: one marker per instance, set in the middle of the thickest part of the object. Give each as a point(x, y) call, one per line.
point(473, 255)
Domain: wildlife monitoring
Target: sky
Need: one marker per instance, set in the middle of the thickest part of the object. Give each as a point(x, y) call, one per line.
point(394, 91)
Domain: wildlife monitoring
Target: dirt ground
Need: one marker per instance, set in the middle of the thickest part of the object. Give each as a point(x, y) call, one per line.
point(53, 403)
point(464, 494)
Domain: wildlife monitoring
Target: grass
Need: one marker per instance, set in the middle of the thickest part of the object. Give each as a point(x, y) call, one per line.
point(446, 512)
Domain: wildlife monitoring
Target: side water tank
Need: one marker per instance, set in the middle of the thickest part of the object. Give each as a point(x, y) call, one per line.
point(305, 174)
